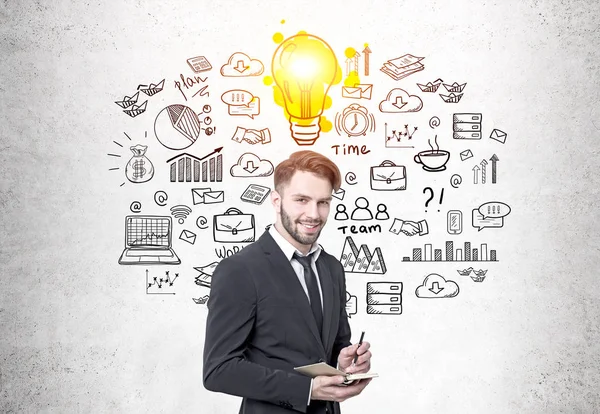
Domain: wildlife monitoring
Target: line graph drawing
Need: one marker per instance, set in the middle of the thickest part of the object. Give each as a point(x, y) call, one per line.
point(156, 286)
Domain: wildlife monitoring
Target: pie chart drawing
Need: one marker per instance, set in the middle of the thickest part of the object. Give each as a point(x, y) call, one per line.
point(177, 127)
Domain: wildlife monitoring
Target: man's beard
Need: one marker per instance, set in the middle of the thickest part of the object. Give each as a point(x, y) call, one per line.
point(292, 228)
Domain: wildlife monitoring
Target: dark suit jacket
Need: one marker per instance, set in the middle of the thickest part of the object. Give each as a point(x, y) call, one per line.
point(260, 326)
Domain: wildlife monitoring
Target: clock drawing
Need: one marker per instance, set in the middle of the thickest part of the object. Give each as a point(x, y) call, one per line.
point(355, 120)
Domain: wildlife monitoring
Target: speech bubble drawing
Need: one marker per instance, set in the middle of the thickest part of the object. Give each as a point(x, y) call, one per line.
point(241, 102)
point(351, 305)
point(480, 222)
point(494, 209)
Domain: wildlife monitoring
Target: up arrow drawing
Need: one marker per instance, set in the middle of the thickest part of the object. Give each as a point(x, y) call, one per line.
point(435, 288)
point(475, 173)
point(250, 167)
point(240, 66)
point(494, 159)
point(483, 164)
point(366, 52)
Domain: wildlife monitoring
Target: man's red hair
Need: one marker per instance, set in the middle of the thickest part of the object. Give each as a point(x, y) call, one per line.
point(309, 161)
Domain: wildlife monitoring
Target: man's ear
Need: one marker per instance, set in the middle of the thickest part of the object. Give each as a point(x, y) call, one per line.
point(276, 200)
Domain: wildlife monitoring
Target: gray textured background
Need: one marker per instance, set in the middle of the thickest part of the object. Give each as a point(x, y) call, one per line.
point(77, 332)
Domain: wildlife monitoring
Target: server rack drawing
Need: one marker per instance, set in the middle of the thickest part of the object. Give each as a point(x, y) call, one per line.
point(384, 298)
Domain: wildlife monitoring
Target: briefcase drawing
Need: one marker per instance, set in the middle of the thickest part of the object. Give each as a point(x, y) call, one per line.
point(233, 226)
point(388, 176)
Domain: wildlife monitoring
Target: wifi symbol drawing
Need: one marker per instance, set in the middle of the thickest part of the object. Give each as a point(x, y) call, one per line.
point(180, 212)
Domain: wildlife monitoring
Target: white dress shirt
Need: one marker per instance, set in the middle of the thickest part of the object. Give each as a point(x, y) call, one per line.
point(288, 251)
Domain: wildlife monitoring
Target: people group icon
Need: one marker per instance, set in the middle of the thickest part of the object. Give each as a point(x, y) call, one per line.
point(361, 211)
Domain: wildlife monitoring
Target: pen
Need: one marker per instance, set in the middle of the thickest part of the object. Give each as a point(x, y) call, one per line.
point(362, 335)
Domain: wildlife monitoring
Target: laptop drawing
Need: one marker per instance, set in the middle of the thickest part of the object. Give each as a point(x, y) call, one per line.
point(148, 241)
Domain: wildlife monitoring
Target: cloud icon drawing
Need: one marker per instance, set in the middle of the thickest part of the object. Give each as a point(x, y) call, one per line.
point(240, 64)
point(249, 165)
point(435, 286)
point(398, 100)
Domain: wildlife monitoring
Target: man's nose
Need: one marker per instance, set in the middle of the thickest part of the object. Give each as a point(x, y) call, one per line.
point(312, 210)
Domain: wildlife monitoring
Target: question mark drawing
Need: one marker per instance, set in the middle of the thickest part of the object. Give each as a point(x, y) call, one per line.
point(431, 196)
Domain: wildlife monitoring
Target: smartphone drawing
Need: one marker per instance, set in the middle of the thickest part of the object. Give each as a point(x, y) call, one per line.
point(455, 222)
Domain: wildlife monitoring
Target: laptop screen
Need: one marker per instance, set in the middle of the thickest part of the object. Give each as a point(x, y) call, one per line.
point(148, 231)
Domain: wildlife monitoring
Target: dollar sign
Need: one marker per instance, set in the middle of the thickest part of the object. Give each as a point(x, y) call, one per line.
point(138, 169)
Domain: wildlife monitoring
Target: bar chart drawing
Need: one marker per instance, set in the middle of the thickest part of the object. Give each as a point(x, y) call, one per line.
point(189, 168)
point(465, 254)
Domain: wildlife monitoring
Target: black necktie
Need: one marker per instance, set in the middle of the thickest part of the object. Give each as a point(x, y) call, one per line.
point(313, 289)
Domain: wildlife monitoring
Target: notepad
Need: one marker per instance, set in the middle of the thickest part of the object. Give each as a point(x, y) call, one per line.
point(323, 368)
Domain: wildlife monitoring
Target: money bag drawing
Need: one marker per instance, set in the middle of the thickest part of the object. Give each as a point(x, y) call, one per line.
point(139, 169)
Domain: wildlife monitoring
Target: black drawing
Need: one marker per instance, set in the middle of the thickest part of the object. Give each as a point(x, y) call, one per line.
point(340, 213)
point(434, 122)
point(153, 88)
point(207, 196)
point(388, 176)
point(207, 121)
point(395, 140)
point(148, 241)
point(454, 222)
point(355, 260)
point(199, 64)
point(135, 207)
point(206, 272)
point(187, 168)
point(127, 101)
point(455, 92)
point(466, 126)
point(384, 298)
point(409, 228)
point(355, 120)
point(189, 82)
point(252, 136)
point(136, 110)
point(361, 212)
point(428, 254)
point(240, 64)
point(494, 160)
point(466, 154)
point(156, 286)
point(201, 301)
point(490, 215)
point(351, 305)
point(430, 87)
point(483, 170)
point(477, 276)
point(433, 160)
point(160, 198)
point(202, 223)
point(241, 102)
point(455, 180)
point(382, 213)
point(403, 66)
point(339, 194)
point(188, 236)
point(358, 91)
point(255, 194)
point(177, 127)
point(452, 98)
point(180, 212)
point(233, 226)
point(400, 101)
point(431, 196)
point(139, 169)
point(350, 178)
point(435, 286)
point(498, 135)
point(455, 87)
point(250, 165)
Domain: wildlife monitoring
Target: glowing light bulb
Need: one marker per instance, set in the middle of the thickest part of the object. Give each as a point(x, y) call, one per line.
point(304, 67)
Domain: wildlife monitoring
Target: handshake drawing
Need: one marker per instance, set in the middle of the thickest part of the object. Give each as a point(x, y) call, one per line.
point(252, 136)
point(409, 228)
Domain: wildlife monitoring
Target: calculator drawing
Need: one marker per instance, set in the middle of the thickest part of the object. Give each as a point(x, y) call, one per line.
point(255, 194)
point(199, 64)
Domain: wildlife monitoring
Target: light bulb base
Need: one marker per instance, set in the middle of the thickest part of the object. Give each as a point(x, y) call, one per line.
point(305, 131)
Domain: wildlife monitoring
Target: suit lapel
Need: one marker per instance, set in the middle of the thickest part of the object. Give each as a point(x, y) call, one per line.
point(293, 287)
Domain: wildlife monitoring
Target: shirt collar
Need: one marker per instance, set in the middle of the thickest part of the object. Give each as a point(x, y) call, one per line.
point(288, 249)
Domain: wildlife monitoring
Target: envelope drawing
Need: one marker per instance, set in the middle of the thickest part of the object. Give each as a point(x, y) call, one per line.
point(465, 155)
point(359, 91)
point(198, 195)
point(339, 194)
point(498, 135)
point(188, 236)
point(213, 197)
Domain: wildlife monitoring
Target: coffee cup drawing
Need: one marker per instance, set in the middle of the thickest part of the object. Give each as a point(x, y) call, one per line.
point(433, 160)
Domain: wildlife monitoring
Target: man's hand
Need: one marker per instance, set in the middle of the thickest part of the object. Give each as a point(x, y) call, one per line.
point(346, 358)
point(331, 389)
